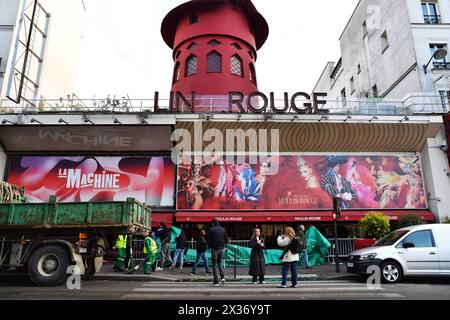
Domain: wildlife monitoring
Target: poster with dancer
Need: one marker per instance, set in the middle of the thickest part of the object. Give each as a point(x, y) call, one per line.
point(302, 182)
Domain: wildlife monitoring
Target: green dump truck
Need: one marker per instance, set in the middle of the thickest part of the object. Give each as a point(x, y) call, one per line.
point(46, 239)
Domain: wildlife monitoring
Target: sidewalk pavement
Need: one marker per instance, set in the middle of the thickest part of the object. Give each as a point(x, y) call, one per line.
point(273, 273)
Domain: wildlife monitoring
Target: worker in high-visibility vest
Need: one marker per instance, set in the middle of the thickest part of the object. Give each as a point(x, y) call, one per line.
point(150, 251)
point(121, 246)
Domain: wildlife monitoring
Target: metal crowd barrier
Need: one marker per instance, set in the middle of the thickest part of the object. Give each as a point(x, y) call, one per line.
point(138, 250)
point(345, 247)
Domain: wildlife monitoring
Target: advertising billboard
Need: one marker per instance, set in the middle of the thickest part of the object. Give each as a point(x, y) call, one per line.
point(150, 180)
point(302, 182)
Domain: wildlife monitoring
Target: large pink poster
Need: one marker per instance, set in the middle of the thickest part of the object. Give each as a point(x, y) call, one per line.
point(302, 182)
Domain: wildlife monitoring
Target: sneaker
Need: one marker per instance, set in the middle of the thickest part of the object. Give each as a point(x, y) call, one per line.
point(282, 286)
point(216, 284)
point(296, 286)
point(159, 269)
point(208, 274)
point(193, 274)
point(262, 282)
point(255, 282)
point(222, 280)
point(181, 268)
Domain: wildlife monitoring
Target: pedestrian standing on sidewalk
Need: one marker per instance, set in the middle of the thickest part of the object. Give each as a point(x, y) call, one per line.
point(289, 258)
point(301, 233)
point(179, 250)
point(217, 239)
point(202, 246)
point(257, 260)
point(164, 235)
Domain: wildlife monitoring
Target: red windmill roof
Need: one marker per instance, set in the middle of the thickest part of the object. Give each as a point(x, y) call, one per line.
point(257, 21)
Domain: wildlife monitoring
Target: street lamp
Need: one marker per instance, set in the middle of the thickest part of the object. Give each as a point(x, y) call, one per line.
point(337, 208)
point(438, 55)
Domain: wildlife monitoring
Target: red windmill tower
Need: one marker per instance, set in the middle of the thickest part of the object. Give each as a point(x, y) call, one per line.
point(215, 44)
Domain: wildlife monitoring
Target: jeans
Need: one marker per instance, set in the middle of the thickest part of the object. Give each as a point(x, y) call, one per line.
point(285, 271)
point(165, 253)
point(200, 255)
point(217, 255)
point(306, 257)
point(178, 253)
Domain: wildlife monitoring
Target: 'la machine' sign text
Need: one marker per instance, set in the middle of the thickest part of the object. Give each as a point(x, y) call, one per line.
point(75, 179)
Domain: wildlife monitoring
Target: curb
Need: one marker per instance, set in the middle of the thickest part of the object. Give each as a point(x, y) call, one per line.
point(160, 278)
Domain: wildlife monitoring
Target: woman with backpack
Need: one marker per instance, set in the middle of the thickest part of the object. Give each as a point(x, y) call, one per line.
point(290, 257)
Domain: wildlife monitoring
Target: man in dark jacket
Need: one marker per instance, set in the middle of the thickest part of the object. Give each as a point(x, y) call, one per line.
point(164, 234)
point(202, 246)
point(301, 233)
point(217, 239)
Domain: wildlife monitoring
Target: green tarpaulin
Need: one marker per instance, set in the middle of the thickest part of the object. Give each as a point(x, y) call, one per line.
point(317, 246)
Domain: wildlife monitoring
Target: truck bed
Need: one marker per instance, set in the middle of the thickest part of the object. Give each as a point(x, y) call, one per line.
point(85, 215)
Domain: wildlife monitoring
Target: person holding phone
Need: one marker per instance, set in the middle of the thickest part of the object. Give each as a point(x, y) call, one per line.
point(257, 260)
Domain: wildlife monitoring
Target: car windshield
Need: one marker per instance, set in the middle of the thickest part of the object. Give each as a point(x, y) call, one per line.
point(391, 238)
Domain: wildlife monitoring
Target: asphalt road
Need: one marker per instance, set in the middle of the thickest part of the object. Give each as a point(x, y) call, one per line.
point(20, 288)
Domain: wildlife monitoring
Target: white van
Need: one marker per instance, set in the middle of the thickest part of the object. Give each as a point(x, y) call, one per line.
point(422, 250)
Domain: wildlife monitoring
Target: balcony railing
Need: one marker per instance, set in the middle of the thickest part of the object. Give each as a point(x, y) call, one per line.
point(432, 19)
point(414, 104)
point(441, 65)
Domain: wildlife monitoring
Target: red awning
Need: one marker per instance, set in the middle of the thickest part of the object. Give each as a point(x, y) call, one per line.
point(288, 216)
point(157, 218)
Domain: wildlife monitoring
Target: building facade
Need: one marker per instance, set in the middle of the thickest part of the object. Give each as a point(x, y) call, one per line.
point(40, 45)
point(240, 156)
point(387, 52)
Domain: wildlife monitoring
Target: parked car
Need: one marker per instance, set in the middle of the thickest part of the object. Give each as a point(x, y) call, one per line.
point(422, 250)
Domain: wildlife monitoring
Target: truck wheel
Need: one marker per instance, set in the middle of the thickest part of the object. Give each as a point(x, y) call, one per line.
point(48, 266)
point(391, 272)
point(89, 269)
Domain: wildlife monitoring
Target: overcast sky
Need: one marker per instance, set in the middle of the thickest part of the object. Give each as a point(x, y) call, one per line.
point(123, 52)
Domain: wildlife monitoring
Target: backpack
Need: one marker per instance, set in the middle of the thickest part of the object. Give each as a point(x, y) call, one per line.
point(296, 245)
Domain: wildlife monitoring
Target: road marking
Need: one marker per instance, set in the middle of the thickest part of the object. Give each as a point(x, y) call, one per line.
point(250, 285)
point(292, 295)
point(239, 290)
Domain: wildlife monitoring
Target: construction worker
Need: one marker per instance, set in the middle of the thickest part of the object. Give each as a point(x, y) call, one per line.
point(150, 251)
point(121, 246)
